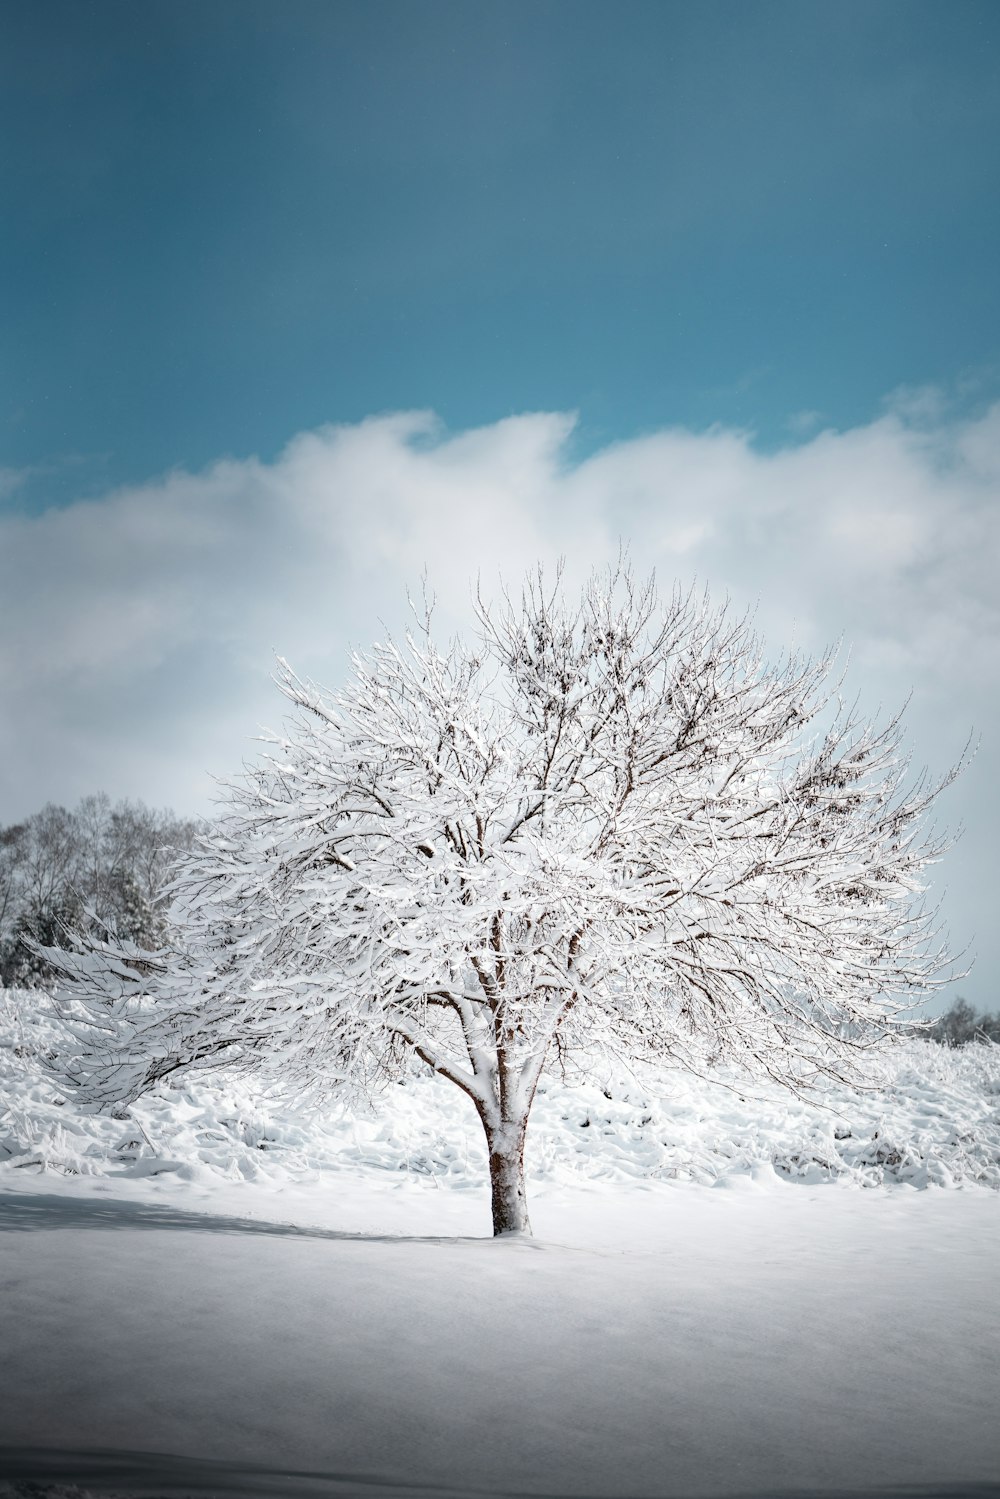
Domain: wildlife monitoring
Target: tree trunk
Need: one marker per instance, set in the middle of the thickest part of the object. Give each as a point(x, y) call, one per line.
point(509, 1201)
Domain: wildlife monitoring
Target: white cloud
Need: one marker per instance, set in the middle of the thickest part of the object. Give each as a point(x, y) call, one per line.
point(139, 628)
point(11, 480)
point(802, 422)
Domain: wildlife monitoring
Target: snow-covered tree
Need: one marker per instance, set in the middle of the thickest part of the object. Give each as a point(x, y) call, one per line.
point(606, 824)
point(961, 1024)
point(101, 864)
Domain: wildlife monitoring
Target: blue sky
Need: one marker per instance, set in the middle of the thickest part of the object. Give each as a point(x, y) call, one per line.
point(225, 223)
point(300, 299)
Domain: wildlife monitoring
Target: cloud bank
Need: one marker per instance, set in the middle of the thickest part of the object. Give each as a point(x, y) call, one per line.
point(139, 629)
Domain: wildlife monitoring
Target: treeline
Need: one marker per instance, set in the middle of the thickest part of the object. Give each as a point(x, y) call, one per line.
point(100, 863)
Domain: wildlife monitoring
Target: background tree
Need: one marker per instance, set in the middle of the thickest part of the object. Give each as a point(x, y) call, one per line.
point(100, 865)
point(961, 1024)
point(605, 825)
point(11, 857)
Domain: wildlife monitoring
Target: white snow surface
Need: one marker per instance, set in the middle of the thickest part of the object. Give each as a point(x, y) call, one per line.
point(932, 1118)
point(728, 1293)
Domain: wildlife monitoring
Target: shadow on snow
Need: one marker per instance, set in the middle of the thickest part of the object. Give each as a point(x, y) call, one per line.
point(22, 1212)
point(32, 1473)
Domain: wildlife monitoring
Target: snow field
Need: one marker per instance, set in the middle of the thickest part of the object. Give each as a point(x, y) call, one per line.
point(218, 1296)
point(665, 1344)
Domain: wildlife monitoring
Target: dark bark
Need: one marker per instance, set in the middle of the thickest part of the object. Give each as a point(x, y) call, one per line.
point(508, 1196)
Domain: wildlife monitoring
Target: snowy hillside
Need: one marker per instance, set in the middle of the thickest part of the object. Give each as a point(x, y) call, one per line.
point(933, 1120)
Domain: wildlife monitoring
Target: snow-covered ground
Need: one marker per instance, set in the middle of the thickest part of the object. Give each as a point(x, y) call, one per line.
point(726, 1295)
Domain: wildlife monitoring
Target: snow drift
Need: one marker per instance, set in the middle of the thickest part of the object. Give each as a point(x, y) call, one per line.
point(930, 1119)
